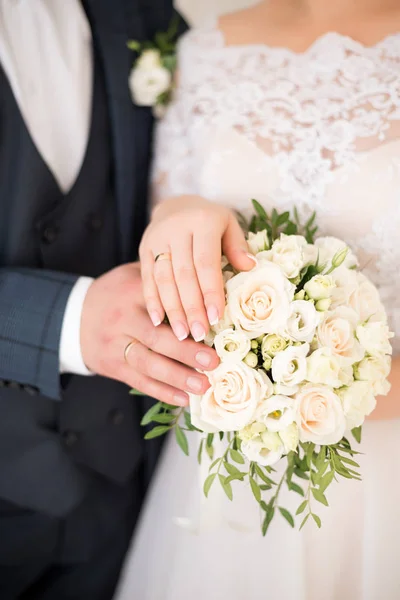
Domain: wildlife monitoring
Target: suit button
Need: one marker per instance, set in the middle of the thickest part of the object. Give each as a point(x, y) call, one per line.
point(94, 222)
point(49, 234)
point(116, 416)
point(71, 438)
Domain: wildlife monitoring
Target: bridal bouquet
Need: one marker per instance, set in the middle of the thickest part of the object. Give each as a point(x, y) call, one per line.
point(304, 348)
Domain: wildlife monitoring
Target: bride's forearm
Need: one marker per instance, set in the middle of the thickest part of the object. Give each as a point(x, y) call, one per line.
point(389, 407)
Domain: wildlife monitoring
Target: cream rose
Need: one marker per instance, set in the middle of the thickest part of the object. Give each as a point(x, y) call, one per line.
point(147, 84)
point(330, 247)
point(264, 448)
point(320, 416)
point(149, 59)
point(337, 332)
point(289, 368)
point(258, 242)
point(288, 253)
point(358, 402)
point(324, 367)
point(259, 301)
point(375, 370)
point(231, 401)
point(290, 438)
point(231, 345)
point(374, 337)
point(356, 291)
point(276, 413)
point(272, 345)
point(320, 287)
point(302, 321)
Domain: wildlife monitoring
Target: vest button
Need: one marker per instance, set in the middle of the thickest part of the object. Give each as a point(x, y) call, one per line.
point(116, 417)
point(94, 222)
point(49, 234)
point(71, 438)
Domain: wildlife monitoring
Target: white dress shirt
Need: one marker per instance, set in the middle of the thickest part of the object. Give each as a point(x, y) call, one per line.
point(46, 53)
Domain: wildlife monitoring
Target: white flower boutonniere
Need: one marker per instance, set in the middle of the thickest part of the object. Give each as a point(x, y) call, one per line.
point(151, 78)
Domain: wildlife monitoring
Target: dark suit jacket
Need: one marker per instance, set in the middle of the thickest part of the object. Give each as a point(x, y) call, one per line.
point(57, 435)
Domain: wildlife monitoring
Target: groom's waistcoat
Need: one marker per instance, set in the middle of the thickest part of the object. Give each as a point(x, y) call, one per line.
point(53, 454)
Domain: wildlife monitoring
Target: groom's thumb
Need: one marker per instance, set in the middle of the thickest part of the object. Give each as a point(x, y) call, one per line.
point(235, 247)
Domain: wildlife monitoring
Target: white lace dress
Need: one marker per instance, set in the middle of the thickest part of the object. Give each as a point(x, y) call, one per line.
point(319, 131)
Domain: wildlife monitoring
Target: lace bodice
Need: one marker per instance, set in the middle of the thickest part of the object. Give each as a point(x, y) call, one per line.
point(318, 130)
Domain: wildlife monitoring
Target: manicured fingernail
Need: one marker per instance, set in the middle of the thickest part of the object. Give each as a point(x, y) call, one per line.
point(198, 332)
point(212, 314)
point(203, 359)
point(155, 317)
point(180, 331)
point(252, 257)
point(181, 399)
point(195, 384)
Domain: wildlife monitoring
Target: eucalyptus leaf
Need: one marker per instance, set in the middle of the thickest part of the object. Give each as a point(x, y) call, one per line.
point(317, 520)
point(163, 418)
point(286, 515)
point(148, 417)
point(326, 481)
point(269, 515)
point(182, 440)
point(200, 452)
point(304, 521)
point(255, 488)
point(157, 432)
point(293, 487)
point(302, 507)
point(232, 470)
point(319, 496)
point(208, 483)
point(237, 457)
point(226, 486)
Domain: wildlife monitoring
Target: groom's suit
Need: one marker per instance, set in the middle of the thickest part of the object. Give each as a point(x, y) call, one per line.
point(73, 467)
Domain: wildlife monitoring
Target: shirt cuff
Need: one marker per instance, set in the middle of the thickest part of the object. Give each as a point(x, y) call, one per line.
point(71, 360)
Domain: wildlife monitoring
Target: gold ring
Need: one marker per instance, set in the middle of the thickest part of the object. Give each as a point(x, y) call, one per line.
point(163, 256)
point(132, 343)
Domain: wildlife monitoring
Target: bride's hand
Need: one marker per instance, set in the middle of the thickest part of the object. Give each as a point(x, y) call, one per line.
point(186, 283)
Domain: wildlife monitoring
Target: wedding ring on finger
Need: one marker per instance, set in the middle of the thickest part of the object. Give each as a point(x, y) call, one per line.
point(129, 347)
point(163, 256)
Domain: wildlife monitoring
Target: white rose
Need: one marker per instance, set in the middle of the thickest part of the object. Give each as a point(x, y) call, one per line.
point(272, 345)
point(149, 60)
point(329, 247)
point(276, 413)
point(324, 367)
point(374, 337)
point(232, 345)
point(259, 301)
point(320, 416)
point(320, 287)
point(358, 402)
point(375, 370)
point(147, 85)
point(337, 332)
point(265, 449)
point(290, 438)
point(356, 291)
point(302, 321)
point(258, 242)
point(231, 401)
point(288, 253)
point(289, 367)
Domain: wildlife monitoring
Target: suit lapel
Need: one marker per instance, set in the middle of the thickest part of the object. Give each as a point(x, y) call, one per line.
point(111, 31)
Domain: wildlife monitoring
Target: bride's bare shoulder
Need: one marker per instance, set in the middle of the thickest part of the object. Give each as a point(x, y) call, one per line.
point(246, 26)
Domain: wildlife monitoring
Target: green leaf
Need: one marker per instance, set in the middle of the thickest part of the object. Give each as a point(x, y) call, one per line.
point(357, 433)
point(319, 496)
point(136, 393)
point(216, 461)
point(319, 461)
point(226, 486)
point(317, 520)
point(286, 515)
point(260, 210)
point(304, 521)
point(210, 439)
point(282, 218)
point(182, 440)
point(237, 457)
point(134, 45)
point(210, 452)
point(309, 453)
point(208, 483)
point(232, 470)
point(269, 515)
point(255, 488)
point(290, 229)
point(148, 417)
point(299, 473)
point(293, 487)
point(349, 461)
point(157, 432)
point(326, 481)
point(163, 418)
point(302, 507)
point(262, 475)
point(200, 452)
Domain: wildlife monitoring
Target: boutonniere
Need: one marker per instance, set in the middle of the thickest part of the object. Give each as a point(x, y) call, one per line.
point(151, 79)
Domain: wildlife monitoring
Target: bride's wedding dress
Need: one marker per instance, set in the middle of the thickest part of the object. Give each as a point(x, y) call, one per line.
point(320, 131)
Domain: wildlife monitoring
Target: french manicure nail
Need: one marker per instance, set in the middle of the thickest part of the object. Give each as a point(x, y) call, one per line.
point(195, 384)
point(155, 317)
point(203, 359)
point(252, 257)
point(180, 331)
point(198, 332)
point(212, 314)
point(181, 399)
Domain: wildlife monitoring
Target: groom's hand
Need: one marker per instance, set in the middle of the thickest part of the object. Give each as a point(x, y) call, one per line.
point(157, 364)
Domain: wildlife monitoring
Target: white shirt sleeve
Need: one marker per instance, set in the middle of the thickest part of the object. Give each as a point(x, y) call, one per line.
point(71, 360)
